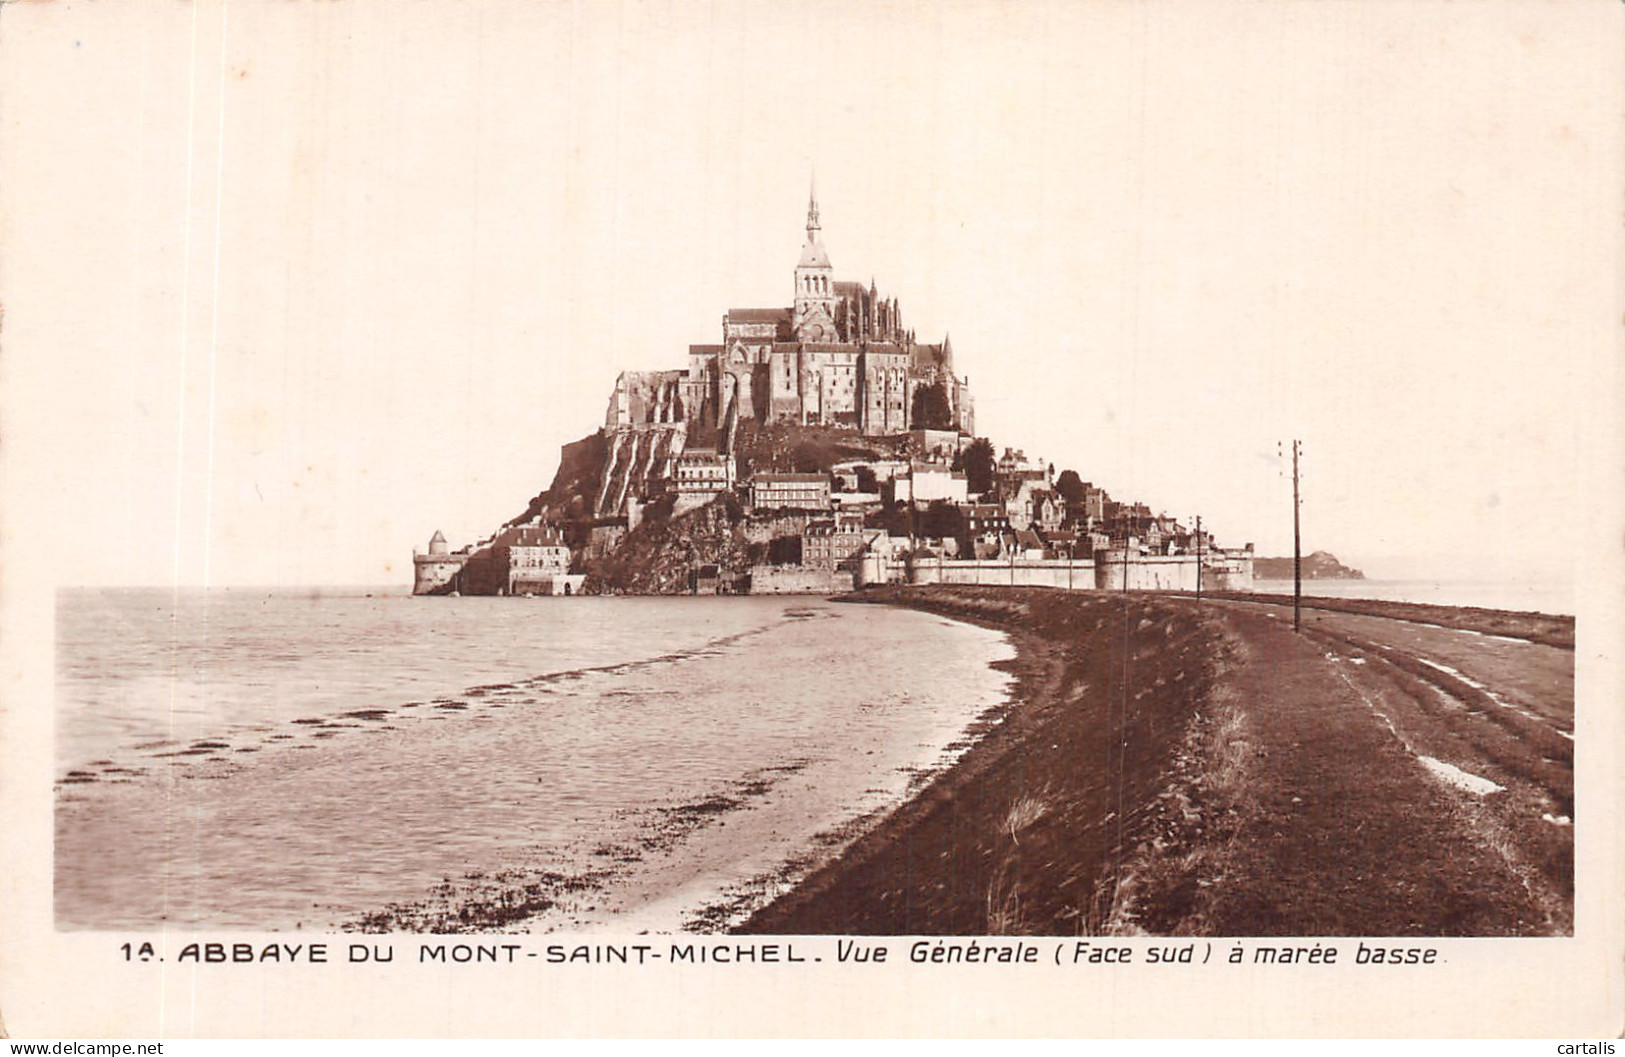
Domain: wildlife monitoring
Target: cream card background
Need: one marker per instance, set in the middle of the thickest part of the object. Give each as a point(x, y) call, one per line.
point(253, 254)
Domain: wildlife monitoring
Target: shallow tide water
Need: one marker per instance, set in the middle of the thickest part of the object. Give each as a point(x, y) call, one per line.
point(255, 760)
point(1518, 596)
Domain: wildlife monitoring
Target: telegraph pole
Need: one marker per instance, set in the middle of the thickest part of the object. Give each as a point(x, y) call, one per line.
point(1198, 557)
point(1297, 544)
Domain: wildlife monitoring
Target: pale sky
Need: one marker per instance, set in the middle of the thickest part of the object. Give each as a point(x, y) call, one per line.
point(290, 286)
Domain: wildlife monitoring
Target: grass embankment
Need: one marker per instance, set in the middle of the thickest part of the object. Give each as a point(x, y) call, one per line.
point(1023, 835)
point(1172, 769)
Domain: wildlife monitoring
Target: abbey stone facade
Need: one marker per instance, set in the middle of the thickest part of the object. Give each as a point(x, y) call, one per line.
point(839, 355)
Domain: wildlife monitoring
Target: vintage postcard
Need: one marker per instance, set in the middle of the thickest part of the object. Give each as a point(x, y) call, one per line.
point(530, 519)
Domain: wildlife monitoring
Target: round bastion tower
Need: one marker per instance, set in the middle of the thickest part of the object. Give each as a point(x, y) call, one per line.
point(434, 572)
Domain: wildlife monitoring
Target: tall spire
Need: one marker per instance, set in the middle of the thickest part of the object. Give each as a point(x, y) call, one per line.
point(812, 209)
point(813, 254)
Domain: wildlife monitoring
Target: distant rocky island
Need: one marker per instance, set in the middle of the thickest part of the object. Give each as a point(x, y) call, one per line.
point(818, 447)
point(1321, 565)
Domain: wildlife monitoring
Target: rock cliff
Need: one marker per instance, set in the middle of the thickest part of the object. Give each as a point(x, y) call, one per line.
point(1321, 565)
point(661, 555)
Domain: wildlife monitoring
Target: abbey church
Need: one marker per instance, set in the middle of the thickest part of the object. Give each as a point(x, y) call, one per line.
point(838, 356)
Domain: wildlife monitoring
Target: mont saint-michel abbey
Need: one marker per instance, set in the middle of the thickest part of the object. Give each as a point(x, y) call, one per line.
point(816, 447)
point(840, 355)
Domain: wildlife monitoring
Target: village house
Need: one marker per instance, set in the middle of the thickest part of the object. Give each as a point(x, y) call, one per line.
point(1093, 506)
point(938, 445)
point(1035, 505)
point(702, 474)
point(1014, 466)
point(856, 501)
point(1023, 544)
point(928, 483)
point(532, 559)
point(789, 491)
point(984, 520)
point(832, 545)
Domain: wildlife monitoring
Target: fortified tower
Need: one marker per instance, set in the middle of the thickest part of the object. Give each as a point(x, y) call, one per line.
point(435, 571)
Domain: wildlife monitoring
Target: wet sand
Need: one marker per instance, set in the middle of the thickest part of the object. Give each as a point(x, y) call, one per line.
point(1178, 768)
point(673, 791)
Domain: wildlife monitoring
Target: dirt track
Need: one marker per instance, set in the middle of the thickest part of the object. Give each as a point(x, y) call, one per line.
point(1174, 767)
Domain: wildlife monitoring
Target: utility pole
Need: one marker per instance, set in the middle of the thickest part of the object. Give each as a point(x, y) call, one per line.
point(1297, 544)
point(1198, 557)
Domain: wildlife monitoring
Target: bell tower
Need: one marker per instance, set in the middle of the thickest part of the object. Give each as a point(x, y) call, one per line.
point(814, 316)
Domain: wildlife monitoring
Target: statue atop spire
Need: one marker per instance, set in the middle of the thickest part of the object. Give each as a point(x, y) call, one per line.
point(812, 211)
point(813, 254)
point(815, 305)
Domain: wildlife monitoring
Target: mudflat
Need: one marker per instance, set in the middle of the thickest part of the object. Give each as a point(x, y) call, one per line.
point(1175, 767)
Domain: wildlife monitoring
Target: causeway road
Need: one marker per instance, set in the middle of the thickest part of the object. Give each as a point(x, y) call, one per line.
point(1176, 767)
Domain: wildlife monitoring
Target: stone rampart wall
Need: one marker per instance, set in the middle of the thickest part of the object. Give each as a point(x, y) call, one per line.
point(1146, 573)
point(1156, 573)
point(794, 580)
point(1075, 575)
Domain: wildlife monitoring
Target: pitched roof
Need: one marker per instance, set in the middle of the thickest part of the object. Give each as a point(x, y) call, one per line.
point(926, 355)
point(790, 478)
point(813, 255)
point(758, 315)
point(528, 536)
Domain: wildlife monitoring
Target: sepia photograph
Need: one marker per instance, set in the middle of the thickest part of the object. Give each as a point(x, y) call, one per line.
point(811, 489)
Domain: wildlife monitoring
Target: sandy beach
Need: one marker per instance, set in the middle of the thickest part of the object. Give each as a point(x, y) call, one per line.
point(1176, 767)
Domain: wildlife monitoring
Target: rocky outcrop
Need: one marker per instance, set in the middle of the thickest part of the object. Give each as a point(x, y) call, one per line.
point(638, 462)
point(576, 485)
point(660, 557)
point(1321, 565)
